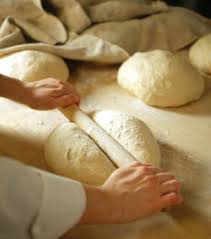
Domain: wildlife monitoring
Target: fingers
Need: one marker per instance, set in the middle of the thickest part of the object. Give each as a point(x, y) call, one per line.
point(165, 176)
point(170, 199)
point(65, 95)
point(56, 87)
point(146, 169)
point(139, 175)
point(60, 91)
point(166, 181)
point(170, 186)
point(66, 100)
point(46, 83)
point(63, 88)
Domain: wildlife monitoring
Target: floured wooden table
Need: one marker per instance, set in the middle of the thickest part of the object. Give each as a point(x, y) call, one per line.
point(183, 134)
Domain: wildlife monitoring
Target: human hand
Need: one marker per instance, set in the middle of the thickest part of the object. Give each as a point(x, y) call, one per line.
point(137, 191)
point(130, 193)
point(50, 93)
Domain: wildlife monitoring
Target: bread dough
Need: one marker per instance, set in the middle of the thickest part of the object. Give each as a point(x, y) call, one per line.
point(30, 65)
point(161, 78)
point(71, 153)
point(200, 54)
point(132, 133)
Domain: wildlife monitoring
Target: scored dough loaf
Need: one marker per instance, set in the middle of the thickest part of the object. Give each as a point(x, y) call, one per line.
point(132, 133)
point(70, 152)
point(161, 78)
point(30, 65)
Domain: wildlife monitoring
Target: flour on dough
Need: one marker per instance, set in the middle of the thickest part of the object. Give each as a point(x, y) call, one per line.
point(200, 54)
point(161, 78)
point(132, 133)
point(30, 65)
point(71, 153)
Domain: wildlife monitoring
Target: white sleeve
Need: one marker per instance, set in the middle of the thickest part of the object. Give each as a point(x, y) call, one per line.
point(36, 204)
point(63, 204)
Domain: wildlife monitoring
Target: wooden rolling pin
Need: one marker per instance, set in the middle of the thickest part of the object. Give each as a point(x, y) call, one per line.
point(116, 152)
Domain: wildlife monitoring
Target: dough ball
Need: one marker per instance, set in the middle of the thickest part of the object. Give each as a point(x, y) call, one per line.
point(132, 133)
point(30, 65)
point(200, 54)
point(71, 153)
point(161, 78)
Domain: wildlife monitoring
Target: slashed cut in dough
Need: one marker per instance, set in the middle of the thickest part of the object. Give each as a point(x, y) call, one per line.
point(132, 133)
point(30, 65)
point(71, 153)
point(161, 78)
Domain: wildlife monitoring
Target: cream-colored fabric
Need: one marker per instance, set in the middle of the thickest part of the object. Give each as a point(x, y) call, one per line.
point(159, 31)
point(200, 55)
point(161, 78)
point(56, 26)
point(87, 3)
point(10, 34)
point(86, 48)
point(92, 48)
point(33, 20)
point(72, 14)
point(120, 11)
point(132, 133)
point(49, 30)
point(71, 153)
point(33, 65)
point(32, 201)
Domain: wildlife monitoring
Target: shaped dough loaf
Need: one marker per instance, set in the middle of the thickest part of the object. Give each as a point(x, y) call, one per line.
point(161, 78)
point(30, 65)
point(132, 133)
point(71, 153)
point(200, 54)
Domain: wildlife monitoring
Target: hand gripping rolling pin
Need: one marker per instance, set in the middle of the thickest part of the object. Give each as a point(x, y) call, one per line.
point(116, 152)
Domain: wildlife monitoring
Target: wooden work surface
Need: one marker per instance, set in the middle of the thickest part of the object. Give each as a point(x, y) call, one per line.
point(184, 136)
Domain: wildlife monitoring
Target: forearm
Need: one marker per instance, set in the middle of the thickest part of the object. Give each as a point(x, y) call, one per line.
point(44, 94)
point(99, 207)
point(13, 89)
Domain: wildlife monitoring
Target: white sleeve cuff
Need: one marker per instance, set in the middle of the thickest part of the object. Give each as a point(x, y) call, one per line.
point(63, 204)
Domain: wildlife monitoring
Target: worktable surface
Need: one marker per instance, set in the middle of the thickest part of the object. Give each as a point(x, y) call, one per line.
point(184, 136)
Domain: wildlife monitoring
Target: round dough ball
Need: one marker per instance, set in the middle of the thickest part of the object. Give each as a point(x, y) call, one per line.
point(200, 54)
point(33, 65)
point(132, 133)
point(71, 153)
point(161, 78)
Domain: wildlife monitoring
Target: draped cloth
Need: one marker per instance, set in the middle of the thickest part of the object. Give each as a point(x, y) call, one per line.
point(97, 31)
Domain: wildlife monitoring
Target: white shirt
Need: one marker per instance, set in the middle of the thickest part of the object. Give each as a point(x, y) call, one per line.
point(36, 204)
